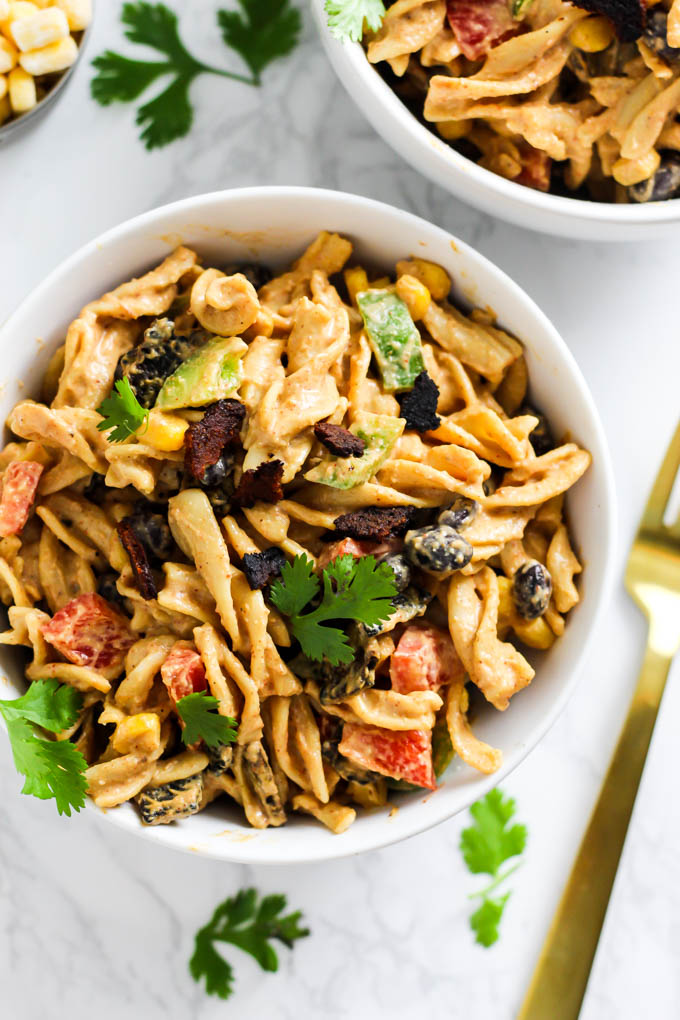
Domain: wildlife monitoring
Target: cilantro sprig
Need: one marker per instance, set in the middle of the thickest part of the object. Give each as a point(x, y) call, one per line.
point(262, 31)
point(202, 721)
point(121, 412)
point(249, 925)
point(485, 847)
point(348, 19)
point(353, 589)
point(51, 768)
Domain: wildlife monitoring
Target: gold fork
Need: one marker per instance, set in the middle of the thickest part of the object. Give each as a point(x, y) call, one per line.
point(653, 580)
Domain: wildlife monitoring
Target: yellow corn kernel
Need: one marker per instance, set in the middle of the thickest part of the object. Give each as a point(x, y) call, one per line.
point(5, 108)
point(22, 93)
point(534, 633)
point(39, 30)
point(140, 734)
point(50, 59)
point(78, 13)
point(17, 9)
point(452, 130)
point(435, 278)
point(506, 605)
point(355, 281)
point(414, 294)
point(592, 35)
point(381, 283)
point(8, 55)
point(164, 431)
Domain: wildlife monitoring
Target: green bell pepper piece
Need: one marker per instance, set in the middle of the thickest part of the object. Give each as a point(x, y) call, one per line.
point(394, 338)
point(211, 373)
point(379, 433)
point(442, 748)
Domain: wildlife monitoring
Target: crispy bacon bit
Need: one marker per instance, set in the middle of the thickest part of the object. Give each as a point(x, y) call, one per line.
point(263, 483)
point(183, 671)
point(423, 660)
point(419, 405)
point(627, 16)
point(350, 547)
point(19, 485)
point(536, 167)
point(261, 568)
point(479, 24)
point(205, 440)
point(341, 442)
point(138, 558)
point(89, 632)
point(401, 754)
point(376, 522)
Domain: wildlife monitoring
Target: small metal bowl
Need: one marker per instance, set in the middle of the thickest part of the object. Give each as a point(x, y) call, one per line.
point(14, 127)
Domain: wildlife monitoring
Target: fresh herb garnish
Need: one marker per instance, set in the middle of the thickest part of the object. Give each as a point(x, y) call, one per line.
point(250, 926)
point(266, 30)
point(51, 768)
point(347, 18)
point(485, 847)
point(202, 721)
point(122, 412)
point(353, 589)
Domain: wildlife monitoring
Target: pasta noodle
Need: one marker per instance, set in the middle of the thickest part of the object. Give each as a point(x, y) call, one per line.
point(480, 552)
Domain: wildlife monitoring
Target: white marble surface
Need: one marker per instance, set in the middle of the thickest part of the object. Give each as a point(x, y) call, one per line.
point(93, 922)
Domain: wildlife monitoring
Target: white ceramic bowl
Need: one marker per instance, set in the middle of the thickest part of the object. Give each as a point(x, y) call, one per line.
point(424, 150)
point(274, 225)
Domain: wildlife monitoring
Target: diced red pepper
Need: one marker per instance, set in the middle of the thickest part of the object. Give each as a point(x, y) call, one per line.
point(356, 548)
point(424, 659)
point(19, 485)
point(400, 754)
point(479, 24)
point(536, 168)
point(183, 672)
point(89, 632)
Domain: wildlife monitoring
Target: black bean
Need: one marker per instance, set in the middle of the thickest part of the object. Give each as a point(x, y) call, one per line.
point(541, 437)
point(655, 36)
point(531, 590)
point(254, 272)
point(662, 185)
point(440, 550)
point(106, 587)
point(153, 531)
point(462, 512)
point(401, 569)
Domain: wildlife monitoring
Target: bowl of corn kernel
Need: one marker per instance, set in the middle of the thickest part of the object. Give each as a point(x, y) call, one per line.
point(40, 42)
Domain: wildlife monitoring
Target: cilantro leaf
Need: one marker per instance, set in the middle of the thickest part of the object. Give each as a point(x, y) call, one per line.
point(346, 18)
point(250, 926)
point(203, 722)
point(489, 843)
point(121, 412)
point(261, 32)
point(47, 703)
point(353, 589)
point(51, 768)
point(484, 922)
point(265, 30)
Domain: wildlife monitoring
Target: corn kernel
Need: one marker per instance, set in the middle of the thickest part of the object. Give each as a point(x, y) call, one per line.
point(39, 30)
point(381, 283)
point(49, 59)
point(8, 55)
point(435, 278)
point(17, 9)
point(534, 633)
point(414, 294)
point(78, 13)
point(164, 431)
point(22, 93)
point(355, 281)
point(506, 606)
point(452, 130)
point(5, 108)
point(139, 733)
point(592, 35)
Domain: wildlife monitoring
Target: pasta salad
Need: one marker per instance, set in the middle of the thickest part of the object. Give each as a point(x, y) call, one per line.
point(281, 535)
point(573, 99)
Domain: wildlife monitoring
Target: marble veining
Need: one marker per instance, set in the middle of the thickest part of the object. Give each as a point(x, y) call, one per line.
point(93, 922)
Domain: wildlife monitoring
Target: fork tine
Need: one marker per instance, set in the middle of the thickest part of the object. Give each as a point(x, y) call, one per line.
point(652, 517)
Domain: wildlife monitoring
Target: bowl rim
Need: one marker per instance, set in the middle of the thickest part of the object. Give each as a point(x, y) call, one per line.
point(238, 852)
point(433, 157)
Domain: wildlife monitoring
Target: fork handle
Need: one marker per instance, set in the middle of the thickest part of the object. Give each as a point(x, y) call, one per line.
point(561, 975)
